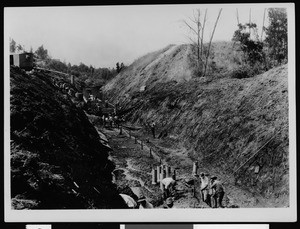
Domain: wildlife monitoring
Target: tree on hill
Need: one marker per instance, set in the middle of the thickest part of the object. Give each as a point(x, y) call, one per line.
point(57, 65)
point(20, 48)
point(12, 46)
point(251, 46)
point(197, 28)
point(42, 53)
point(118, 67)
point(276, 35)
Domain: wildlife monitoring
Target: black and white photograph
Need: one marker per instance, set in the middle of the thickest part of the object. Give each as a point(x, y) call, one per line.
point(141, 113)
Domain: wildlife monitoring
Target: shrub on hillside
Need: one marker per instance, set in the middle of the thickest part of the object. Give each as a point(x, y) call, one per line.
point(245, 71)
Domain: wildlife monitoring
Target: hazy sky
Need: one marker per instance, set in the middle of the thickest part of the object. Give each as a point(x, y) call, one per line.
point(103, 35)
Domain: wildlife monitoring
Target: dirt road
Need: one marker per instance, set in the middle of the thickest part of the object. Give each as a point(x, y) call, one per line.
point(134, 163)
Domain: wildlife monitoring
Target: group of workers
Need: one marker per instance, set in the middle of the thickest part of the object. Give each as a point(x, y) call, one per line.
point(212, 190)
point(111, 120)
point(143, 203)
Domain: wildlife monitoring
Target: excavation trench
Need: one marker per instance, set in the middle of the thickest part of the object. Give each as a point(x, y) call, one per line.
point(134, 169)
point(134, 165)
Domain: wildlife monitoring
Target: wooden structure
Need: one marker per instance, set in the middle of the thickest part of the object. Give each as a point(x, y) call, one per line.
point(22, 60)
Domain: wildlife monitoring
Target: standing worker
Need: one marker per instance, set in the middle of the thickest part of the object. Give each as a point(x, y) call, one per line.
point(116, 121)
point(204, 187)
point(103, 120)
point(218, 191)
point(110, 119)
point(106, 122)
point(169, 186)
point(152, 125)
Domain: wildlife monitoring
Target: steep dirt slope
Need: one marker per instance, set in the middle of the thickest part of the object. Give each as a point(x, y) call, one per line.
point(219, 122)
point(57, 159)
point(170, 63)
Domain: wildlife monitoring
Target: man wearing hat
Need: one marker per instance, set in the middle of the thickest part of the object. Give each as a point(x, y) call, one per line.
point(218, 191)
point(143, 203)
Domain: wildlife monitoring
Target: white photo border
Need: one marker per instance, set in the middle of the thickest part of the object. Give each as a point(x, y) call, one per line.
point(164, 215)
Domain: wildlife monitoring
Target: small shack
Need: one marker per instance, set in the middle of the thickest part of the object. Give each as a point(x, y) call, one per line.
point(22, 60)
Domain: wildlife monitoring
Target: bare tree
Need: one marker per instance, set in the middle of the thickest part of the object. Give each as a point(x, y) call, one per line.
point(263, 24)
point(250, 22)
point(237, 16)
point(211, 37)
point(203, 26)
point(197, 29)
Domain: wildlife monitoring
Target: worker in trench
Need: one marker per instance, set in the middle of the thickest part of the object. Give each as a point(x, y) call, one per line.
point(217, 192)
point(168, 187)
point(152, 126)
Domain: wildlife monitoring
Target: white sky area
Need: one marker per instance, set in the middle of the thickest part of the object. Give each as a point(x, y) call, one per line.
point(103, 35)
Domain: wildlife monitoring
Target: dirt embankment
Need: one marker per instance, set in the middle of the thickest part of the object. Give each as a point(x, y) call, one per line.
point(57, 159)
point(222, 123)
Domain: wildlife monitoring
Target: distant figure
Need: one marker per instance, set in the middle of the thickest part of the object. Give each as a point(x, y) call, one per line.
point(152, 125)
point(143, 203)
point(204, 187)
point(116, 121)
point(169, 186)
point(169, 203)
point(218, 192)
point(110, 119)
point(129, 201)
point(106, 121)
point(103, 120)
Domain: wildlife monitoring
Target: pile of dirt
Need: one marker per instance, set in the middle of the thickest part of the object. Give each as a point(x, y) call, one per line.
point(57, 159)
point(236, 127)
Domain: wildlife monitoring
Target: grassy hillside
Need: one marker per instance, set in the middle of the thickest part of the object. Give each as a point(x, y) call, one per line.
point(221, 122)
point(57, 159)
